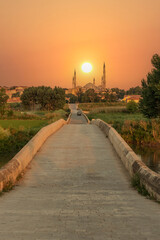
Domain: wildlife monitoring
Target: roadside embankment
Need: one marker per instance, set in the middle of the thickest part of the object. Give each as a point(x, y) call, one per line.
point(12, 170)
point(131, 161)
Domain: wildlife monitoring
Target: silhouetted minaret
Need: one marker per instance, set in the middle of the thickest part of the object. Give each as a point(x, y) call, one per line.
point(74, 80)
point(104, 77)
point(94, 81)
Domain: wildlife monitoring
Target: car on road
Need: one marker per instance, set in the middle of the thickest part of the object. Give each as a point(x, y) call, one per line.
point(79, 113)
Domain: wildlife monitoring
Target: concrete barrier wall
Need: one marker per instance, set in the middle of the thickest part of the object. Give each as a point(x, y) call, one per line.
point(10, 172)
point(131, 161)
point(88, 121)
point(69, 118)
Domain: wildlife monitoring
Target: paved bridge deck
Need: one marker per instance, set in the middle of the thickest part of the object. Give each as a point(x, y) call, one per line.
point(77, 188)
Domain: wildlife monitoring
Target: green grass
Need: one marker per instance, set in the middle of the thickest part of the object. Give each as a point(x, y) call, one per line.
point(116, 117)
point(92, 106)
point(27, 124)
point(46, 118)
point(19, 131)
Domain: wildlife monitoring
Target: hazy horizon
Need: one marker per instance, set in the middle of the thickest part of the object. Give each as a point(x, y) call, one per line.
point(43, 41)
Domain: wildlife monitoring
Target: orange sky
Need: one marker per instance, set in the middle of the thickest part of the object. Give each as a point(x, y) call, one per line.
point(42, 41)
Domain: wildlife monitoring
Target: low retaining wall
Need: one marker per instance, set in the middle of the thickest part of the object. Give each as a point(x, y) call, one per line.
point(10, 172)
point(131, 161)
point(88, 121)
point(69, 118)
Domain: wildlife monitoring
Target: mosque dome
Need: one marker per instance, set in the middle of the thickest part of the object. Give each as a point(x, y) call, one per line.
point(90, 85)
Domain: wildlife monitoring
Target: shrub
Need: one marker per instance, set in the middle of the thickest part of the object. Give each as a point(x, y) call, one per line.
point(132, 107)
point(10, 113)
point(15, 106)
point(136, 183)
point(4, 133)
point(14, 140)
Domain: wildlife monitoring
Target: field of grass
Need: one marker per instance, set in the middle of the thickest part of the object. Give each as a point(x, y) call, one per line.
point(134, 128)
point(100, 105)
point(22, 124)
point(113, 117)
point(18, 129)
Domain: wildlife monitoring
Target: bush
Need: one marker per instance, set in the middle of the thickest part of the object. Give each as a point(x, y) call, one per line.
point(4, 133)
point(132, 107)
point(10, 113)
point(12, 141)
point(15, 106)
point(136, 183)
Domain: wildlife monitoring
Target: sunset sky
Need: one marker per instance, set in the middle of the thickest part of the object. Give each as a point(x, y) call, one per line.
point(43, 41)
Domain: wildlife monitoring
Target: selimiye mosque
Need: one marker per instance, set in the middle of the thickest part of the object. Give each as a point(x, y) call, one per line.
point(89, 85)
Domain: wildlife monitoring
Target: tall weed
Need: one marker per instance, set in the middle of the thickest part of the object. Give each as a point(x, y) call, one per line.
point(4, 133)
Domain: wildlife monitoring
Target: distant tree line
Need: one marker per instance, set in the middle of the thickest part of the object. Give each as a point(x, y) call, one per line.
point(50, 99)
point(110, 95)
point(149, 103)
point(45, 98)
point(134, 91)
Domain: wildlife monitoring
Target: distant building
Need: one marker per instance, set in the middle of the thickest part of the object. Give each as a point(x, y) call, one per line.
point(14, 100)
point(92, 86)
point(10, 91)
point(71, 91)
point(128, 98)
point(97, 89)
point(103, 81)
point(74, 82)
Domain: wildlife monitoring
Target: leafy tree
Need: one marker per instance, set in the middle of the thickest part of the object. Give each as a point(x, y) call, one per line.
point(17, 94)
point(3, 100)
point(107, 96)
point(73, 98)
point(46, 97)
point(80, 95)
point(58, 98)
point(150, 101)
point(29, 97)
point(110, 96)
point(134, 91)
point(113, 97)
point(120, 92)
point(90, 96)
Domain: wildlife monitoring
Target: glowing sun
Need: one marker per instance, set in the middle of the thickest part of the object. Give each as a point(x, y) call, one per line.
point(86, 67)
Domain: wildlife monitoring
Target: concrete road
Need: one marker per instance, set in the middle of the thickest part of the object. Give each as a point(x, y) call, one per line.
point(74, 118)
point(77, 189)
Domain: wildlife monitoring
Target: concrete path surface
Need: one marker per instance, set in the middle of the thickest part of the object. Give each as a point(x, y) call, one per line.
point(76, 188)
point(74, 118)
